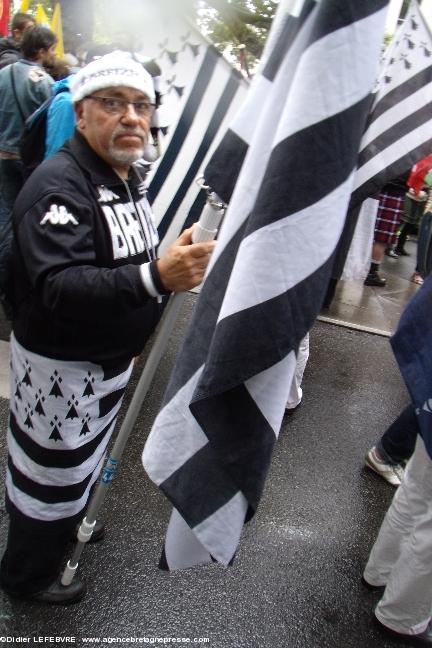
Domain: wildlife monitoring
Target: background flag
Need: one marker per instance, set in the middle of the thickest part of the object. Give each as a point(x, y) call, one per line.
point(211, 444)
point(398, 132)
point(41, 17)
point(4, 17)
point(24, 7)
point(203, 108)
point(56, 26)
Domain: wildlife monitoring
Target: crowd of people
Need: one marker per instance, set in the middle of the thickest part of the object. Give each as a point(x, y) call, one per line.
point(87, 289)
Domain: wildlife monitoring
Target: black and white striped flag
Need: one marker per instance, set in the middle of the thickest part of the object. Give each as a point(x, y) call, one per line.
point(231, 152)
point(211, 444)
point(398, 132)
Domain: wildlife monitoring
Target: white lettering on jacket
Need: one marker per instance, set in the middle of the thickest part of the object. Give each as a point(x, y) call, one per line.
point(58, 215)
point(130, 230)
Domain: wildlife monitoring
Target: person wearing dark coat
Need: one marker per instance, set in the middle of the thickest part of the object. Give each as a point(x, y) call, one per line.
point(10, 47)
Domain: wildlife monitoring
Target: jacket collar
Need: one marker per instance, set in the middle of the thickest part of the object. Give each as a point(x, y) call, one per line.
point(94, 166)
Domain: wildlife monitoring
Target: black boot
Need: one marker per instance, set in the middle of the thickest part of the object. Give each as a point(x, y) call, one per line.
point(56, 593)
point(373, 278)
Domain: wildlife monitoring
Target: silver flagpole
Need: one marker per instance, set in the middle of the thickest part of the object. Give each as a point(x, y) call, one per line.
point(204, 230)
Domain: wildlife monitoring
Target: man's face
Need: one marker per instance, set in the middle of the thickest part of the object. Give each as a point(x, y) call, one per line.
point(119, 138)
point(17, 34)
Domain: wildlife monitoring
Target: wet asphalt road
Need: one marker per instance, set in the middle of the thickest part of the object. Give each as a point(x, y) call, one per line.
point(296, 580)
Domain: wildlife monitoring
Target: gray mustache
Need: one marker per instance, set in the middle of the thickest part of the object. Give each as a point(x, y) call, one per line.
point(124, 131)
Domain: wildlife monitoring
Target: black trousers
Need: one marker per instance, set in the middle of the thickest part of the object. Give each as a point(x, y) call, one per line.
point(405, 230)
point(397, 443)
point(35, 553)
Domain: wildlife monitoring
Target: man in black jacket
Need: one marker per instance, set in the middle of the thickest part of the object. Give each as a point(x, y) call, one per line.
point(10, 48)
point(24, 86)
point(87, 290)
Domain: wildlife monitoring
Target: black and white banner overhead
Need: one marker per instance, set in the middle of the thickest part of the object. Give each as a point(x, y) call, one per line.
point(398, 132)
point(212, 442)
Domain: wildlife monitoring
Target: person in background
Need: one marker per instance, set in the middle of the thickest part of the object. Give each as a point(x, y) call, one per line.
point(393, 450)
point(58, 69)
point(400, 562)
point(296, 392)
point(413, 212)
point(60, 118)
point(424, 244)
point(24, 86)
point(10, 48)
point(390, 211)
point(414, 209)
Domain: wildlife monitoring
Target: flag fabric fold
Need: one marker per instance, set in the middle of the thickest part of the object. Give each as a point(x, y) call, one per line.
point(233, 148)
point(398, 132)
point(211, 445)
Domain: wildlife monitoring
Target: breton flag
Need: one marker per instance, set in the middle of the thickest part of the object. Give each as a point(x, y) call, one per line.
point(214, 96)
point(398, 132)
point(211, 444)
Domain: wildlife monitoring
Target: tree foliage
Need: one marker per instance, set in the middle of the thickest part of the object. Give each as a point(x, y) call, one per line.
point(239, 22)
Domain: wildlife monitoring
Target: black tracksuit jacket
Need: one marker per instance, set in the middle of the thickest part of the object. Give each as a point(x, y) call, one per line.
point(78, 243)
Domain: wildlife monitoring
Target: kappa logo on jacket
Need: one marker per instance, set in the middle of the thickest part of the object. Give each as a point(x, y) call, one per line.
point(58, 215)
point(106, 195)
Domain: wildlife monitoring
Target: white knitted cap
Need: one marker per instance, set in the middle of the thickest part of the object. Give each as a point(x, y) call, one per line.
point(110, 71)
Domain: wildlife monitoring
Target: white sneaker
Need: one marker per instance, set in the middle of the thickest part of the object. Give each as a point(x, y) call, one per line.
point(393, 474)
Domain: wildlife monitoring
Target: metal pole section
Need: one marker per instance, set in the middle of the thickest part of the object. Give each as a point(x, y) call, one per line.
point(206, 230)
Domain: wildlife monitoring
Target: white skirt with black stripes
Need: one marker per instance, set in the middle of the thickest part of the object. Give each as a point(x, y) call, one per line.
point(62, 415)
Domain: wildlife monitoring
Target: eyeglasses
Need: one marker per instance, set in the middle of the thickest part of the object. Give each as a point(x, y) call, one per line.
point(115, 106)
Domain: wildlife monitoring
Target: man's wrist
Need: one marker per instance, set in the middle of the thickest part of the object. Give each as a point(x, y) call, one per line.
point(151, 279)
